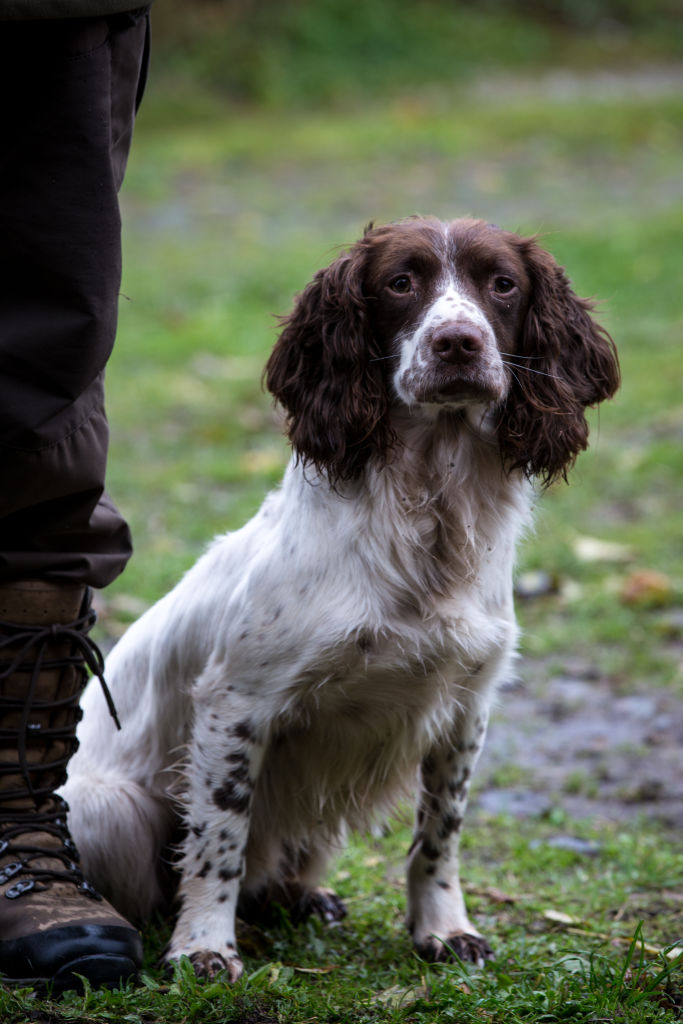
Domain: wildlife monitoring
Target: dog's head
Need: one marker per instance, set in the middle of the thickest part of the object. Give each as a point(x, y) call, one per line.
point(440, 316)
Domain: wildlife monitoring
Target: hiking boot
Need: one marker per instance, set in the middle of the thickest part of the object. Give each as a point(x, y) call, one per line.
point(54, 925)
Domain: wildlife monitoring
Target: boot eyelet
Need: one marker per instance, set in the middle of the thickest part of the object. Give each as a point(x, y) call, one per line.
point(19, 889)
point(10, 870)
point(89, 890)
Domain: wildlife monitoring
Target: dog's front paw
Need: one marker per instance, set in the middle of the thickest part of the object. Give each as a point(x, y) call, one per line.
point(209, 964)
point(463, 945)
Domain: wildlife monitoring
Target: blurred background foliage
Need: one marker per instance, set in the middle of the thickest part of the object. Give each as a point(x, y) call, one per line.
point(279, 52)
point(272, 132)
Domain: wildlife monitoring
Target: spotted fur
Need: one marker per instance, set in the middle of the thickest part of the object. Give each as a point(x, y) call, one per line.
point(341, 650)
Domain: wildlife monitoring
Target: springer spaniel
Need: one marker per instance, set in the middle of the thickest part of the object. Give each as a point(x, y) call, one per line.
point(342, 649)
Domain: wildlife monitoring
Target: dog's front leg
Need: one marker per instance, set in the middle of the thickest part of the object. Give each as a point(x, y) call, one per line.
point(437, 918)
point(225, 757)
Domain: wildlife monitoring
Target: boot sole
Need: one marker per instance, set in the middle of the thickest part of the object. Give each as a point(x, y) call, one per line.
point(99, 972)
point(105, 956)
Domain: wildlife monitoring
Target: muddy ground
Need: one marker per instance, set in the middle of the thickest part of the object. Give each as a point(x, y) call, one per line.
point(570, 741)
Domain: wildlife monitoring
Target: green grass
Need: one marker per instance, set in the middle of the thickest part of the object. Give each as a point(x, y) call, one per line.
point(227, 213)
point(596, 963)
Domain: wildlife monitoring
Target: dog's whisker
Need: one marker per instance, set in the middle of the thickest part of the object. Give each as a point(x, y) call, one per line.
point(517, 355)
point(530, 369)
point(513, 374)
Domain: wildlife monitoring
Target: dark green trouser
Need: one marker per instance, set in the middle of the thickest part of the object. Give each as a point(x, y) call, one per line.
point(69, 90)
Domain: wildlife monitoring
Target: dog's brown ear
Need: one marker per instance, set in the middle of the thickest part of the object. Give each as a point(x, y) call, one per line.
point(326, 370)
point(567, 363)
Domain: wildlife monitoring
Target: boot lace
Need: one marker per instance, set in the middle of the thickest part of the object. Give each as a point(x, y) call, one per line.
point(28, 648)
point(30, 874)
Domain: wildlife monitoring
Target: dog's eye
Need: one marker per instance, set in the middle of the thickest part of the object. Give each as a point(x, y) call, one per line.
point(401, 284)
point(504, 285)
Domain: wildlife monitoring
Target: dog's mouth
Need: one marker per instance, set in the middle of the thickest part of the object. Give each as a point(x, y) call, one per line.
point(460, 388)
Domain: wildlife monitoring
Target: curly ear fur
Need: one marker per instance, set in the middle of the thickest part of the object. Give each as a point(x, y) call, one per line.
point(326, 371)
point(573, 364)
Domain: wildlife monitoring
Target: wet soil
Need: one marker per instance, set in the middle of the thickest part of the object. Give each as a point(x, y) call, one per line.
point(572, 741)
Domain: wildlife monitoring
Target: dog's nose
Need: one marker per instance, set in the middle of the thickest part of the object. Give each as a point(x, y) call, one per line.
point(456, 344)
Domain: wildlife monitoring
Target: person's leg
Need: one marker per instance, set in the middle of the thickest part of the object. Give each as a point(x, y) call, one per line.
point(70, 90)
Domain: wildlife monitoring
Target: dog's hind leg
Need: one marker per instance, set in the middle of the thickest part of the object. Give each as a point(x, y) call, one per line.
point(120, 830)
point(286, 874)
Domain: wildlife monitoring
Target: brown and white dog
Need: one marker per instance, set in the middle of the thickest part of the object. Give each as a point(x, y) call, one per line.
point(342, 649)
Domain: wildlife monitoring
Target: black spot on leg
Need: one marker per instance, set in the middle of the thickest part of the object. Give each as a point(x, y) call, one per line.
point(449, 823)
point(198, 830)
point(443, 885)
point(243, 731)
point(429, 850)
point(458, 788)
point(430, 869)
point(227, 874)
point(237, 757)
point(204, 870)
point(228, 798)
point(240, 773)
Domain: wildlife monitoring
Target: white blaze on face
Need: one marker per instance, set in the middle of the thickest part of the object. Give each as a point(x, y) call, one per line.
point(454, 307)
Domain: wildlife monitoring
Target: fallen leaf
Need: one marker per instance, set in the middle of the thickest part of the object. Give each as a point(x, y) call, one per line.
point(397, 996)
point(316, 970)
point(494, 895)
point(646, 587)
point(372, 861)
point(625, 940)
point(592, 549)
point(560, 917)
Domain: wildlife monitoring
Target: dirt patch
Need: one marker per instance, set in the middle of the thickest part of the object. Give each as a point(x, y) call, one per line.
point(571, 741)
